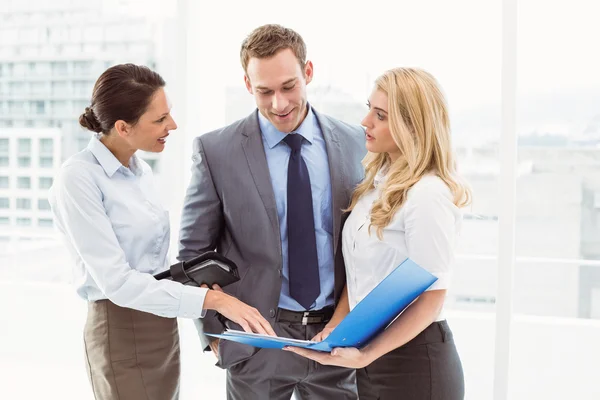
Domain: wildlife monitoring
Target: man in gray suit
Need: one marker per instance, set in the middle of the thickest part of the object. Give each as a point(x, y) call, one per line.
point(268, 192)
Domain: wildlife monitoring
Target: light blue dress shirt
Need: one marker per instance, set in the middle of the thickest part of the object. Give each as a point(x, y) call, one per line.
point(117, 233)
point(314, 153)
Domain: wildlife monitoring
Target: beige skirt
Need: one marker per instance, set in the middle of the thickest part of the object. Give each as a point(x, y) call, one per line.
point(131, 354)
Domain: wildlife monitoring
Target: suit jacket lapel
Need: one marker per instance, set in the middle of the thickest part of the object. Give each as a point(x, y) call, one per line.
point(259, 169)
point(334, 154)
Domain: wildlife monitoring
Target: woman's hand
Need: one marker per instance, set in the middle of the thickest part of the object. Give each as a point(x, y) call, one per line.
point(249, 318)
point(319, 337)
point(348, 357)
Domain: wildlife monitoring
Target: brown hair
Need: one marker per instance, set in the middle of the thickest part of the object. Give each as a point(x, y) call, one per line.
point(265, 41)
point(122, 92)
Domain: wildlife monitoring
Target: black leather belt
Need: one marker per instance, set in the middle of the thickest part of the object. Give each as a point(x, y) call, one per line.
point(305, 317)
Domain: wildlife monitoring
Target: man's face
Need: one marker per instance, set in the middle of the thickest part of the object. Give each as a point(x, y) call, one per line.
point(279, 88)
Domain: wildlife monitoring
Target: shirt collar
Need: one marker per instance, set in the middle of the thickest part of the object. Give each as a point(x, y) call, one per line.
point(273, 136)
point(381, 176)
point(109, 162)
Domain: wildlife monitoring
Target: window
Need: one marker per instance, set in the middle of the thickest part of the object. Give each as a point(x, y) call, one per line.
point(46, 162)
point(17, 88)
point(43, 204)
point(24, 182)
point(461, 43)
point(44, 69)
point(39, 88)
point(4, 203)
point(59, 68)
point(4, 221)
point(83, 88)
point(38, 107)
point(45, 183)
point(4, 152)
point(82, 67)
point(45, 223)
point(60, 88)
point(24, 162)
point(23, 204)
point(24, 146)
point(4, 182)
point(61, 108)
point(23, 221)
point(46, 146)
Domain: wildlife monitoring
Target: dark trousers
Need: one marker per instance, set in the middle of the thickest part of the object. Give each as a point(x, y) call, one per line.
point(426, 368)
point(273, 374)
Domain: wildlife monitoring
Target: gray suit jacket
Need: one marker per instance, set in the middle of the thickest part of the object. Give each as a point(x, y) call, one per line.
point(230, 207)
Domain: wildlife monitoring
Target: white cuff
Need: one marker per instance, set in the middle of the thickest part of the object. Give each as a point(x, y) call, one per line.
point(192, 302)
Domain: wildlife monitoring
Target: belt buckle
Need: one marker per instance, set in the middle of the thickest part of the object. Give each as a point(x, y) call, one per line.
point(305, 318)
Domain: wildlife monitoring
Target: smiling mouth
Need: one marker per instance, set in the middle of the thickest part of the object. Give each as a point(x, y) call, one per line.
point(283, 115)
point(163, 139)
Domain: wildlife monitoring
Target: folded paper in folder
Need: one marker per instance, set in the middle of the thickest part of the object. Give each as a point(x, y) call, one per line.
point(369, 318)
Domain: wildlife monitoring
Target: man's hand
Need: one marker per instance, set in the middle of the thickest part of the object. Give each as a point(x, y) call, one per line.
point(214, 346)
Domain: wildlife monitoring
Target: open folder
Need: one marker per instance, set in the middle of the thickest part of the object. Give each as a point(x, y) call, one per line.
point(369, 318)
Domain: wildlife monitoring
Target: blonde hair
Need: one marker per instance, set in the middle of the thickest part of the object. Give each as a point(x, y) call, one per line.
point(420, 127)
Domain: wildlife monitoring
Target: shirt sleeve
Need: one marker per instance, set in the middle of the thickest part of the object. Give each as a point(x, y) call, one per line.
point(78, 202)
point(430, 228)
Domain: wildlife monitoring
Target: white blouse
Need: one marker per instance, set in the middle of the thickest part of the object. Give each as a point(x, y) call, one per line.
point(117, 233)
point(424, 229)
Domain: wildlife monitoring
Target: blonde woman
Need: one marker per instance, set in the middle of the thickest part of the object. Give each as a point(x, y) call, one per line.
point(407, 206)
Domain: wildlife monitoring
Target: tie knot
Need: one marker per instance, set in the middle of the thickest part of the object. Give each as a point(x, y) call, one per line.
point(294, 140)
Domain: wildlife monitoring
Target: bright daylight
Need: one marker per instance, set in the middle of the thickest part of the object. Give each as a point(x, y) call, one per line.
point(395, 199)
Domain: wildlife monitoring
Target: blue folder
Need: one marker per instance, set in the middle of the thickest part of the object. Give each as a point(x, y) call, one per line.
point(369, 318)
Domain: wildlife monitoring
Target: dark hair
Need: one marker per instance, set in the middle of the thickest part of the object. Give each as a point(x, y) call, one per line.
point(265, 41)
point(122, 92)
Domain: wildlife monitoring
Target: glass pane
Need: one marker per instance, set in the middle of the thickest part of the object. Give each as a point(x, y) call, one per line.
point(24, 162)
point(23, 204)
point(24, 146)
point(24, 221)
point(559, 138)
point(46, 162)
point(23, 182)
point(46, 146)
point(4, 182)
point(43, 204)
point(45, 183)
point(45, 222)
point(557, 230)
point(38, 107)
